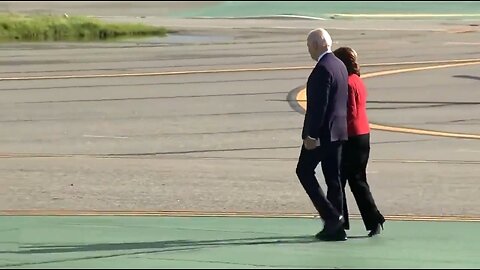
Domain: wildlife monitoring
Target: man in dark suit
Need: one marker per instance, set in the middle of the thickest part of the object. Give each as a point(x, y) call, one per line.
point(324, 131)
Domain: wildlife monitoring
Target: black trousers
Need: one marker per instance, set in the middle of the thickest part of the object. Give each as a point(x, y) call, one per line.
point(330, 206)
point(355, 156)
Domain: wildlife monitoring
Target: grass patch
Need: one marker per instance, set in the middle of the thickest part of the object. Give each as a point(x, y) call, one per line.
point(17, 27)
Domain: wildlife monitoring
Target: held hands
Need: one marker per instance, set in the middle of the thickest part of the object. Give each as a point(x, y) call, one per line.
point(310, 143)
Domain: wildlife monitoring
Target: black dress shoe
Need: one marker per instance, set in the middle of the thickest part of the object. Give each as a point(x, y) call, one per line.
point(334, 225)
point(378, 228)
point(340, 235)
point(320, 234)
point(333, 230)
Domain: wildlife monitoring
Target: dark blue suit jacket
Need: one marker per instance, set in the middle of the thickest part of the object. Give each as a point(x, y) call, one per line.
point(327, 95)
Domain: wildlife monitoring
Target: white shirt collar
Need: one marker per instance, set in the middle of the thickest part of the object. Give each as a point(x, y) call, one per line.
point(320, 57)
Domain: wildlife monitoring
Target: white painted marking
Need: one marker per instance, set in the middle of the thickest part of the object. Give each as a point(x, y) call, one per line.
point(468, 150)
point(418, 161)
point(105, 137)
point(397, 15)
point(352, 28)
point(462, 43)
point(263, 17)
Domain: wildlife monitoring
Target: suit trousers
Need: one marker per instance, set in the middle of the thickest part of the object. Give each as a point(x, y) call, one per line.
point(329, 155)
point(355, 156)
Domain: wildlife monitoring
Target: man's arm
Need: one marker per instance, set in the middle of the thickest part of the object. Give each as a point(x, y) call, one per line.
point(318, 92)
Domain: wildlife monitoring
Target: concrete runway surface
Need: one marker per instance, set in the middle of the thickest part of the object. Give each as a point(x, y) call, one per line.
point(228, 140)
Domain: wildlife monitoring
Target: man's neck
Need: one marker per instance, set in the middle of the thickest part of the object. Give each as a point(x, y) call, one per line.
point(321, 55)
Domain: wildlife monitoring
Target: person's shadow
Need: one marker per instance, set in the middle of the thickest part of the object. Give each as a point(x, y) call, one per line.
point(171, 245)
point(143, 248)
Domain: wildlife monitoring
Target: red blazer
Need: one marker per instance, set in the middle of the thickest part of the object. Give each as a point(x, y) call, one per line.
point(357, 107)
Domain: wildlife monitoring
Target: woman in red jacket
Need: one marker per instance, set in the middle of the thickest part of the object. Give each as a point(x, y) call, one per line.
point(357, 149)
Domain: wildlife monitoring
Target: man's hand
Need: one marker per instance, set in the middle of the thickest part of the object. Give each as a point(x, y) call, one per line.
point(310, 143)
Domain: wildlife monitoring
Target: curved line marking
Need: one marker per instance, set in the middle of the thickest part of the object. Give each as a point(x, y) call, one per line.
point(301, 100)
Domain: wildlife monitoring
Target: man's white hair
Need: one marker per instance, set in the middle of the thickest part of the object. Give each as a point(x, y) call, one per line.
point(321, 37)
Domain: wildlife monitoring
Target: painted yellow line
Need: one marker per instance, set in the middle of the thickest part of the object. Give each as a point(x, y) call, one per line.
point(424, 132)
point(187, 72)
point(301, 99)
point(301, 96)
point(397, 71)
point(149, 74)
point(217, 214)
point(422, 62)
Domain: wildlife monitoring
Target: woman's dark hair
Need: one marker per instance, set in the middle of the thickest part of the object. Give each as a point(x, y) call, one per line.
point(349, 58)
